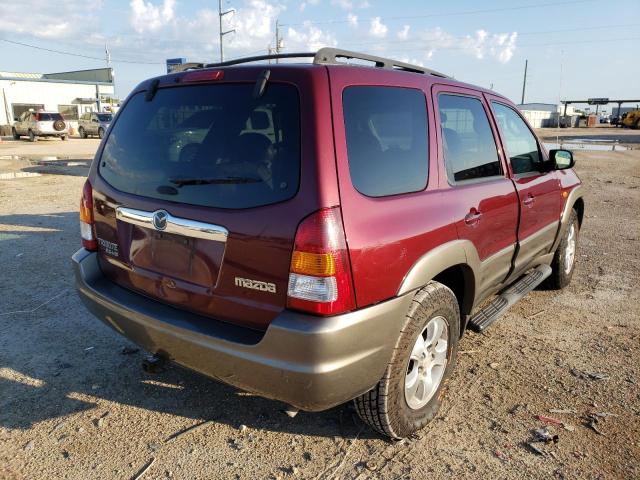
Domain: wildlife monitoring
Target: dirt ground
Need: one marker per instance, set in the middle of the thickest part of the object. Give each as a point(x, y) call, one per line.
point(73, 405)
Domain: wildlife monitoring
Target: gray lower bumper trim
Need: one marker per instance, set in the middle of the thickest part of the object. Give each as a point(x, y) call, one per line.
point(310, 362)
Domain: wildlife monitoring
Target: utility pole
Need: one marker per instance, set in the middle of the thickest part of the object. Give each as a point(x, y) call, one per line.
point(222, 32)
point(279, 41)
point(107, 57)
point(560, 92)
point(524, 82)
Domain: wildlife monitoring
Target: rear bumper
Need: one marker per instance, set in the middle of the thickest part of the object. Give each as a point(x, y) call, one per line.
point(309, 362)
point(51, 133)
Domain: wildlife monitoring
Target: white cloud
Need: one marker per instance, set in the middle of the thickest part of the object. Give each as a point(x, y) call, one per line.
point(353, 20)
point(481, 44)
point(505, 44)
point(51, 20)
point(364, 4)
point(309, 37)
point(145, 16)
point(378, 29)
point(303, 5)
point(344, 4)
point(255, 21)
point(404, 33)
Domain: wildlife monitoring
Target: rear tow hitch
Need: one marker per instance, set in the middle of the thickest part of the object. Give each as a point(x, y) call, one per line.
point(291, 411)
point(154, 364)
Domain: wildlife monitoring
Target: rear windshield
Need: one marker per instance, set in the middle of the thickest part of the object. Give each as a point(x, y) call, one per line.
point(104, 117)
point(48, 117)
point(209, 145)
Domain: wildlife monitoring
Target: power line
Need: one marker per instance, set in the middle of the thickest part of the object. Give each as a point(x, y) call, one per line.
point(62, 52)
point(451, 14)
point(422, 44)
point(520, 34)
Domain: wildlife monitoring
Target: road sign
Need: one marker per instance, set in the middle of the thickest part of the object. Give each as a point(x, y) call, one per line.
point(598, 101)
point(172, 63)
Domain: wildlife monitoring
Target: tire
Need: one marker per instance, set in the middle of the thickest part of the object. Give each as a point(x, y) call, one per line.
point(82, 133)
point(386, 408)
point(16, 135)
point(100, 132)
point(32, 137)
point(637, 127)
point(564, 261)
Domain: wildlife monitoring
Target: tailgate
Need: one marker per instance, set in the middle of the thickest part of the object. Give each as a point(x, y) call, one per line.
point(235, 269)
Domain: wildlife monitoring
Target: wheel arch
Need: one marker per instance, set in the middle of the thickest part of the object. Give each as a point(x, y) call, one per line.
point(455, 264)
point(578, 206)
point(575, 201)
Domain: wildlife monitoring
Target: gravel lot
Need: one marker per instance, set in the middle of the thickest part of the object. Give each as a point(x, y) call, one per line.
point(72, 405)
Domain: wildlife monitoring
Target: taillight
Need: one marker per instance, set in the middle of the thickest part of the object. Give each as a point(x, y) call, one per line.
point(86, 218)
point(320, 274)
point(37, 117)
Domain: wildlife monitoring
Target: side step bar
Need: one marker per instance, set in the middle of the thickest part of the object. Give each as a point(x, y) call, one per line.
point(494, 310)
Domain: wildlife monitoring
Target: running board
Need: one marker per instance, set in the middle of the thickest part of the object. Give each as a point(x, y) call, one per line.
point(498, 306)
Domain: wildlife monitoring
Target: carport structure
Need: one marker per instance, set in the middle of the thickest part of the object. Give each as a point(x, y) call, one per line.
point(597, 102)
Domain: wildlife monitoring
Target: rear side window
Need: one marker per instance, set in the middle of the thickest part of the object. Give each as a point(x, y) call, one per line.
point(203, 145)
point(470, 151)
point(386, 133)
point(520, 142)
point(48, 117)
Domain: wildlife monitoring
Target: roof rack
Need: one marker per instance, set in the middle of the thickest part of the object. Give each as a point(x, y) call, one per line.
point(330, 56)
point(324, 56)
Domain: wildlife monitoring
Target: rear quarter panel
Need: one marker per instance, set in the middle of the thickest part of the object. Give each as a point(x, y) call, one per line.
point(386, 236)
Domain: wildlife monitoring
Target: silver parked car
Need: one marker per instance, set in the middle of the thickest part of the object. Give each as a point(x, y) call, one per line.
point(94, 123)
point(40, 124)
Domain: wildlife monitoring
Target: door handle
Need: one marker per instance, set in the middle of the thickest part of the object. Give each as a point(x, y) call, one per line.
point(473, 217)
point(529, 200)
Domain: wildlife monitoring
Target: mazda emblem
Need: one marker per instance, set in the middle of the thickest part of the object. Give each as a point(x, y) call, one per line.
point(160, 219)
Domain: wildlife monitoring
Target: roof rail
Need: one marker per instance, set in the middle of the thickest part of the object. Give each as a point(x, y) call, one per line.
point(329, 56)
point(324, 56)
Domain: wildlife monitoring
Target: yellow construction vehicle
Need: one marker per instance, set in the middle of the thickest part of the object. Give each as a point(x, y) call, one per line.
point(631, 119)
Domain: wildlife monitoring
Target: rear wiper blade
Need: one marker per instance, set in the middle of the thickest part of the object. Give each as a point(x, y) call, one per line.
point(180, 182)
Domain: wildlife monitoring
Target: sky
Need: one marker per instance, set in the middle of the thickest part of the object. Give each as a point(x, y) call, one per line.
point(575, 48)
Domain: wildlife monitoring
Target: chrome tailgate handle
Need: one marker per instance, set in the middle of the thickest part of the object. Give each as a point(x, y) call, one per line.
point(163, 221)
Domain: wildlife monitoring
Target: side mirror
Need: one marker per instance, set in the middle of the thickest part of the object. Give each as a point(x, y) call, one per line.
point(561, 159)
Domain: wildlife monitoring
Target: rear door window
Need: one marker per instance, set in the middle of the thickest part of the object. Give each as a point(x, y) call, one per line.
point(470, 150)
point(386, 133)
point(198, 145)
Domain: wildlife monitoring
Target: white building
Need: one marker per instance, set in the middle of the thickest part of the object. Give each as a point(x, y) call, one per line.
point(70, 93)
point(541, 115)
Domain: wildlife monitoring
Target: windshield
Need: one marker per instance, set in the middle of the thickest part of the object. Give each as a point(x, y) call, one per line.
point(104, 117)
point(210, 145)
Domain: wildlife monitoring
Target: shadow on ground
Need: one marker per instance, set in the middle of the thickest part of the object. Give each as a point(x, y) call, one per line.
point(56, 359)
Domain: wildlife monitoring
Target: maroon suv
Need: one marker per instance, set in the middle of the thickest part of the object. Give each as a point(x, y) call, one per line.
point(321, 232)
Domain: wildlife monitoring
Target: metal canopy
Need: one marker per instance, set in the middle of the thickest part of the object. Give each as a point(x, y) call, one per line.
point(596, 101)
